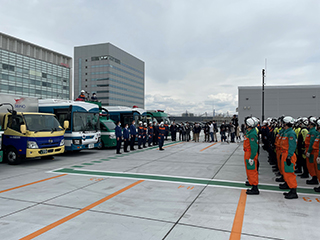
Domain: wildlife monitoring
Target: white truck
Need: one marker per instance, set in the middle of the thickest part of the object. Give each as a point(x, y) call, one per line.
point(26, 133)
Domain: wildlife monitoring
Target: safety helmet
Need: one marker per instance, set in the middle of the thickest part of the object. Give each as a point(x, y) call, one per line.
point(161, 123)
point(318, 122)
point(304, 121)
point(265, 122)
point(145, 124)
point(250, 122)
point(150, 122)
point(256, 121)
point(288, 120)
point(312, 120)
point(140, 122)
point(82, 91)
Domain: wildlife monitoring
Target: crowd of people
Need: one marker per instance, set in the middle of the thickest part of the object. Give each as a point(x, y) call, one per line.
point(293, 151)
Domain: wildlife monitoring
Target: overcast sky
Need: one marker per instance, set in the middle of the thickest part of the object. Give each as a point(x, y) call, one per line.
point(196, 52)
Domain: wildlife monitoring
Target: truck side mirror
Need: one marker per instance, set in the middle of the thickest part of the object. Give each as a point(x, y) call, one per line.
point(23, 129)
point(66, 124)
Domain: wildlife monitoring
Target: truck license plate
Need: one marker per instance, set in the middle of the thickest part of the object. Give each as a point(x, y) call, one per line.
point(43, 151)
point(91, 145)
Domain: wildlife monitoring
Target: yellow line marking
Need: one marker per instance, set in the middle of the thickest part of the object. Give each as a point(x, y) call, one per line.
point(77, 213)
point(28, 184)
point(238, 218)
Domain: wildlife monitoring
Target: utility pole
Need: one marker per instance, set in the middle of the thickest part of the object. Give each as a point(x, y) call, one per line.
point(263, 75)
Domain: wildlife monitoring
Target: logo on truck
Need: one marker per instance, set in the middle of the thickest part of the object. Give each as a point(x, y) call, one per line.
point(18, 103)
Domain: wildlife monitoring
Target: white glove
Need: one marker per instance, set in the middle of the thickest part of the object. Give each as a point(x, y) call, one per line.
point(307, 154)
point(318, 160)
point(251, 161)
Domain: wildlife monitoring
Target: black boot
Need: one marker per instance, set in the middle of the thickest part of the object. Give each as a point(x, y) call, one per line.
point(253, 191)
point(313, 181)
point(248, 184)
point(298, 170)
point(280, 179)
point(316, 189)
point(292, 194)
point(284, 186)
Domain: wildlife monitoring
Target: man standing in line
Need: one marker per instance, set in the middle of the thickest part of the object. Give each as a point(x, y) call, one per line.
point(223, 129)
point(288, 158)
point(150, 134)
point(211, 131)
point(118, 133)
point(162, 131)
point(197, 130)
point(126, 137)
point(145, 136)
point(133, 133)
point(311, 136)
point(140, 135)
point(188, 130)
point(173, 130)
point(167, 130)
point(155, 133)
point(215, 130)
point(250, 148)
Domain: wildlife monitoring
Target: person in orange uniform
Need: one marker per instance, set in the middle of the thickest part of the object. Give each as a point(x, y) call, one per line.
point(145, 128)
point(279, 149)
point(315, 148)
point(150, 134)
point(140, 135)
point(162, 131)
point(310, 157)
point(289, 158)
point(250, 148)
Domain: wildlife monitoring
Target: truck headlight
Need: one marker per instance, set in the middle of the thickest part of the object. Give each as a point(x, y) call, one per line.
point(76, 141)
point(32, 144)
point(112, 136)
point(62, 142)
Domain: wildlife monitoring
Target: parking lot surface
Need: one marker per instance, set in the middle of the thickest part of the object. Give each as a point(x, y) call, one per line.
point(189, 191)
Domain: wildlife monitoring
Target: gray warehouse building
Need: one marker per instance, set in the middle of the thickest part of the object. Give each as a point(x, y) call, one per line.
point(293, 100)
point(30, 70)
point(114, 75)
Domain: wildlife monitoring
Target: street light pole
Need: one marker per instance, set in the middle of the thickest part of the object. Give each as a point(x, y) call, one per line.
point(263, 75)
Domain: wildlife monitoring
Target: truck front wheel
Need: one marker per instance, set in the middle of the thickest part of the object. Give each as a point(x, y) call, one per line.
point(12, 156)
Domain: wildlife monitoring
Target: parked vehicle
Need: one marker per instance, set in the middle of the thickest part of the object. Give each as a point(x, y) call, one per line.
point(84, 130)
point(26, 133)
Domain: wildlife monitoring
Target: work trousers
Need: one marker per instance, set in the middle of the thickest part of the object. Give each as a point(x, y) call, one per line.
point(118, 145)
point(311, 163)
point(125, 144)
point(161, 140)
point(252, 175)
point(196, 137)
point(132, 140)
point(289, 177)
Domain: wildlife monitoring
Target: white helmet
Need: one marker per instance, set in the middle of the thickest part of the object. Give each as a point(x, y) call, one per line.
point(83, 91)
point(140, 122)
point(161, 123)
point(250, 122)
point(312, 120)
point(150, 123)
point(304, 121)
point(318, 122)
point(288, 120)
point(145, 124)
point(265, 122)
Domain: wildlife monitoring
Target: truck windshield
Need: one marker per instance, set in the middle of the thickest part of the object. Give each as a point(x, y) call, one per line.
point(110, 125)
point(39, 123)
point(83, 121)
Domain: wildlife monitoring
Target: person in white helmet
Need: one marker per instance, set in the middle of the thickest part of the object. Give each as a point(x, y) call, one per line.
point(145, 128)
point(140, 135)
point(150, 134)
point(162, 131)
point(250, 147)
point(82, 97)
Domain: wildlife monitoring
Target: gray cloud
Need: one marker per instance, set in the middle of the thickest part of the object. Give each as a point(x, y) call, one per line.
point(195, 51)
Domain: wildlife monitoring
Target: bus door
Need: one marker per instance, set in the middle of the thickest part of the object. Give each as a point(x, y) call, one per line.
point(64, 114)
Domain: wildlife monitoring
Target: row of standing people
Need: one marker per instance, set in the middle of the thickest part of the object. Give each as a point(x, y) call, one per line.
point(306, 158)
point(146, 135)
